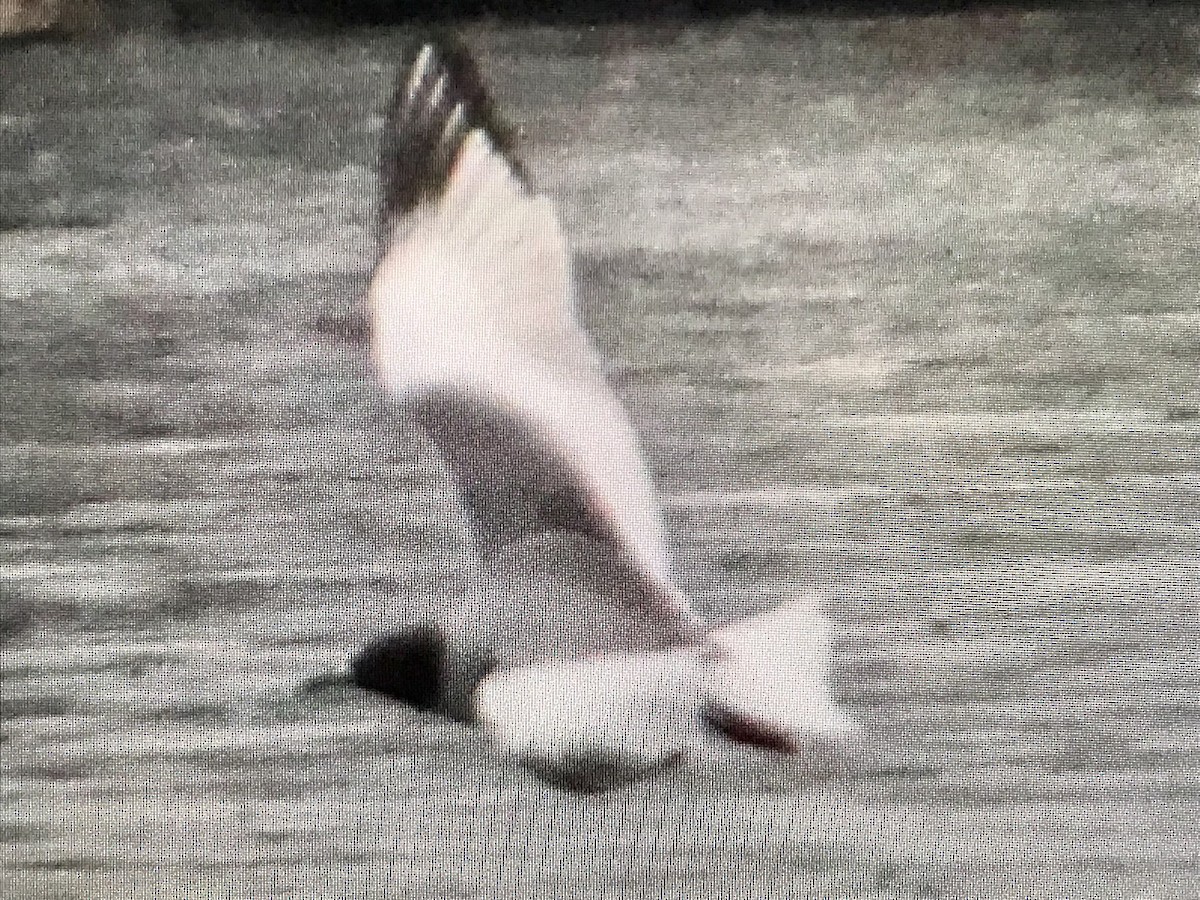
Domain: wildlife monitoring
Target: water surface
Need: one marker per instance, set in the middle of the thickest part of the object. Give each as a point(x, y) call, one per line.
point(914, 326)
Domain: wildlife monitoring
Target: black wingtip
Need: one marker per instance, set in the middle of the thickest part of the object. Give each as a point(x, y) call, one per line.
point(439, 99)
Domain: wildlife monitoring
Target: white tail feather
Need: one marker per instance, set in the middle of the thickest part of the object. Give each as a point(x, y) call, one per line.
point(771, 671)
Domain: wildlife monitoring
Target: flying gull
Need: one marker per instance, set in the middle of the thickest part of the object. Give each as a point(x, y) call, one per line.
point(573, 650)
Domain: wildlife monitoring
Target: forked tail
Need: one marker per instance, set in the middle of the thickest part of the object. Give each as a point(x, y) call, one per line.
point(440, 98)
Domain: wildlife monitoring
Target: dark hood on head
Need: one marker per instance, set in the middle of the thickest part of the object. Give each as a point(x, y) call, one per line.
point(409, 666)
point(425, 668)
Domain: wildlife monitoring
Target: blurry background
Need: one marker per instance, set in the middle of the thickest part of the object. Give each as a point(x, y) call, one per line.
point(905, 306)
point(74, 16)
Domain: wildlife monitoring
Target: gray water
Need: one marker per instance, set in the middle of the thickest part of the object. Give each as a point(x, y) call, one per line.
point(914, 326)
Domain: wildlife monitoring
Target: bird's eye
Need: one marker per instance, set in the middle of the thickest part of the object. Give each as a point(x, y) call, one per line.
point(408, 666)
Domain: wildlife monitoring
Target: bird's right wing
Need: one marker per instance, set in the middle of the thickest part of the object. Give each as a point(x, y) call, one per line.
point(474, 326)
point(596, 723)
point(599, 722)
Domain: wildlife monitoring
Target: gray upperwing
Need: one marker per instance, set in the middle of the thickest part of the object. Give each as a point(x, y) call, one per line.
point(512, 483)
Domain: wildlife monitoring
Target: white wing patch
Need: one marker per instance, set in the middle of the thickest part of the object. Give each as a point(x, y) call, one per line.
point(419, 71)
point(476, 295)
point(453, 125)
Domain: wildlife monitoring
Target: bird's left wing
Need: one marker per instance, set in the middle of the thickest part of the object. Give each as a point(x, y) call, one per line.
point(474, 325)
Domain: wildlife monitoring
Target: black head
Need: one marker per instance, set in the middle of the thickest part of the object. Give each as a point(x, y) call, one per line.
point(409, 665)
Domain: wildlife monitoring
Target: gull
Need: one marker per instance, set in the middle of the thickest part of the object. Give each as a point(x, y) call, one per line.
point(573, 649)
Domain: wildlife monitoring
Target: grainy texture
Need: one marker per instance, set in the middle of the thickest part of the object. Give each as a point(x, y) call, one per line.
point(906, 310)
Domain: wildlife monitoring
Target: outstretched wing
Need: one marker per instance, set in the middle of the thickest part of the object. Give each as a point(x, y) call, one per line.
point(474, 325)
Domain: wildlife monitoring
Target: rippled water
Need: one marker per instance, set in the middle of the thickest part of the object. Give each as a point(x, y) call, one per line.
point(918, 333)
